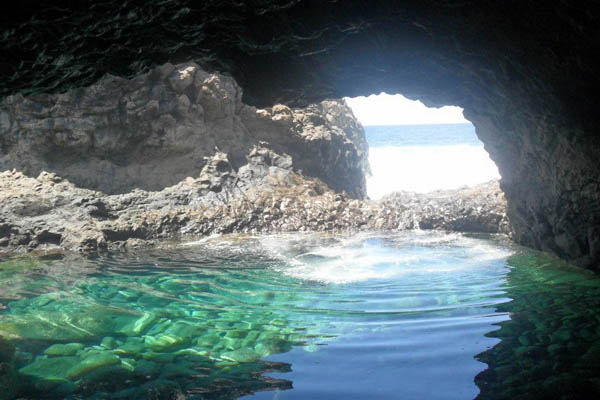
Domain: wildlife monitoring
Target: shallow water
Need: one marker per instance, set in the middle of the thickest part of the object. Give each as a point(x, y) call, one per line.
point(408, 315)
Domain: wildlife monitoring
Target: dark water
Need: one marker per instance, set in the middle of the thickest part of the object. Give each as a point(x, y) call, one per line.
point(409, 316)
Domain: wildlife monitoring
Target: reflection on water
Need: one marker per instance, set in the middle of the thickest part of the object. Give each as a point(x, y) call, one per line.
point(367, 316)
point(550, 347)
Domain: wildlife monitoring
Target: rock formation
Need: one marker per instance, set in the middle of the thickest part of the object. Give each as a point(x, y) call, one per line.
point(174, 153)
point(525, 73)
point(48, 213)
point(155, 130)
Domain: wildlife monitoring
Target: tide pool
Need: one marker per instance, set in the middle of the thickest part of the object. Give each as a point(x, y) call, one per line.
point(296, 316)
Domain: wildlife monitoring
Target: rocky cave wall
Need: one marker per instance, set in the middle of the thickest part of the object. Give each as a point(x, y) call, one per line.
point(155, 130)
point(524, 71)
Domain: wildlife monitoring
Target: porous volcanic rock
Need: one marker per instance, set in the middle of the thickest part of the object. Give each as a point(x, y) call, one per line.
point(49, 213)
point(155, 130)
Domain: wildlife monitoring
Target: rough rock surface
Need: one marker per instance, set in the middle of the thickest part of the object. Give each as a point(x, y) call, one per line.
point(525, 73)
point(155, 130)
point(265, 195)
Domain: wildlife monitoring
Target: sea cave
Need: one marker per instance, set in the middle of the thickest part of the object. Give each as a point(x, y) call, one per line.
point(184, 209)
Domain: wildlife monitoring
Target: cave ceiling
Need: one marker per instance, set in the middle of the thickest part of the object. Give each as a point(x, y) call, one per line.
point(298, 51)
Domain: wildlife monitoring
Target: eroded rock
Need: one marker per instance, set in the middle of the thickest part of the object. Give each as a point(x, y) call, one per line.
point(163, 126)
point(265, 195)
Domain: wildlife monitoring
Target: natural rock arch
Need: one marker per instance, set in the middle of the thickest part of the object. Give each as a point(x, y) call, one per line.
point(524, 73)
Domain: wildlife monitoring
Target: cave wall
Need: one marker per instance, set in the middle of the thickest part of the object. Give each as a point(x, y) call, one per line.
point(160, 127)
point(524, 71)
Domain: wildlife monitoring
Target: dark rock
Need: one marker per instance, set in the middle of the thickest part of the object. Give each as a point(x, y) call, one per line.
point(9, 380)
point(259, 197)
point(161, 127)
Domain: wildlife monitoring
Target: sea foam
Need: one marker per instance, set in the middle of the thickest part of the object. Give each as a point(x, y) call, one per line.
point(426, 168)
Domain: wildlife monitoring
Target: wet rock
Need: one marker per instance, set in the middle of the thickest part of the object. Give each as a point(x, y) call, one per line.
point(91, 363)
point(166, 342)
point(50, 369)
point(131, 346)
point(264, 195)
point(241, 355)
point(153, 131)
point(69, 349)
point(138, 326)
point(9, 380)
point(108, 343)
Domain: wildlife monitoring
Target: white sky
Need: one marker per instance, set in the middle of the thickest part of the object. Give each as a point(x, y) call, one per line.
point(385, 109)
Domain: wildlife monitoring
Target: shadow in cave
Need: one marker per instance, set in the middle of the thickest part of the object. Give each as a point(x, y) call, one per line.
point(549, 348)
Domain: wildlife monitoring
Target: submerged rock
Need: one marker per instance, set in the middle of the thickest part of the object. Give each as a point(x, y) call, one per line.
point(9, 380)
point(69, 349)
point(50, 369)
point(241, 355)
point(91, 363)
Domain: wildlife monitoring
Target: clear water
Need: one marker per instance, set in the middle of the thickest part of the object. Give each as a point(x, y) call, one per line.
point(422, 158)
point(303, 316)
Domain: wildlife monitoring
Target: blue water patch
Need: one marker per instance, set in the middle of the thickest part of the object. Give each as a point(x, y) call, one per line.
point(421, 135)
point(423, 158)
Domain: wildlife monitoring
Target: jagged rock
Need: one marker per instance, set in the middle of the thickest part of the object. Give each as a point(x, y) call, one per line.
point(161, 127)
point(265, 195)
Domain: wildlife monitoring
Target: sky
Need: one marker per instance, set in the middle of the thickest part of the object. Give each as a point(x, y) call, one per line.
point(385, 109)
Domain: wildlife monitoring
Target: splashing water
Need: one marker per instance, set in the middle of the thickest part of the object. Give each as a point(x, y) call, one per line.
point(422, 158)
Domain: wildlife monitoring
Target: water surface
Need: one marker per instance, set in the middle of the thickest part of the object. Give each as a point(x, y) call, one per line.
point(407, 315)
point(422, 158)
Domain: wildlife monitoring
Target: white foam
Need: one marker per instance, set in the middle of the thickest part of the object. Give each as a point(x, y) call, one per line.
point(355, 260)
point(426, 168)
point(201, 241)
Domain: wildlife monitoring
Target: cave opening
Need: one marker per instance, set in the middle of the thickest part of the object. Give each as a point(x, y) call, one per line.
point(420, 149)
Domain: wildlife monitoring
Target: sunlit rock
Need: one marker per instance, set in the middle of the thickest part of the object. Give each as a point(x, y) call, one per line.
point(241, 355)
point(153, 131)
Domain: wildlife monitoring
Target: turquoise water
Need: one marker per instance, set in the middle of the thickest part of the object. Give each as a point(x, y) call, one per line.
point(301, 316)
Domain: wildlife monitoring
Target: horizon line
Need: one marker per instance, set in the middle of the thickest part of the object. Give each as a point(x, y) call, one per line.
point(427, 123)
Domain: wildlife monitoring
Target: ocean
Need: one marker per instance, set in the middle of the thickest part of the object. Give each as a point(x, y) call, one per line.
point(422, 158)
